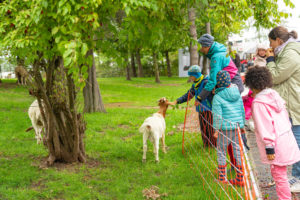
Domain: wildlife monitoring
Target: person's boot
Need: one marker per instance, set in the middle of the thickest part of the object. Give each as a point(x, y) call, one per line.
point(222, 173)
point(239, 177)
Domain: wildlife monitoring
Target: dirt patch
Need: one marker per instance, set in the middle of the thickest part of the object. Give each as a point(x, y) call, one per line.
point(101, 132)
point(9, 85)
point(118, 104)
point(171, 133)
point(38, 184)
point(123, 126)
point(127, 105)
point(262, 171)
point(128, 136)
point(61, 166)
point(157, 85)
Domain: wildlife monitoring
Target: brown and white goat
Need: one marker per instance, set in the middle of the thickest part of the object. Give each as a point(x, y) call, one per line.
point(21, 74)
point(154, 128)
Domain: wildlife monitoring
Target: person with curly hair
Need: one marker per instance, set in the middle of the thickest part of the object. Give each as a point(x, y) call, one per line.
point(273, 130)
point(283, 61)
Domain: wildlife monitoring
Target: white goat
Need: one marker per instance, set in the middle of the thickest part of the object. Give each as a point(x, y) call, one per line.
point(154, 128)
point(36, 120)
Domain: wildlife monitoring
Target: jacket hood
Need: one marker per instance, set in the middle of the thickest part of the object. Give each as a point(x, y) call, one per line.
point(270, 97)
point(293, 45)
point(216, 48)
point(230, 94)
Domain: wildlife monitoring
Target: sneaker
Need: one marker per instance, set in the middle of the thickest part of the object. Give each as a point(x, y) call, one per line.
point(295, 187)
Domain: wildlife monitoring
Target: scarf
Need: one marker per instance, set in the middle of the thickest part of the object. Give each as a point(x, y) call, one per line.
point(280, 48)
point(198, 81)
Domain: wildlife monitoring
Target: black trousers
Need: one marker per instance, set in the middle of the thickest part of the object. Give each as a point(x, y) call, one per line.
point(207, 130)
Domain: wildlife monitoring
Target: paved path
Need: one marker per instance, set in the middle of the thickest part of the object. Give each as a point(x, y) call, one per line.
point(262, 171)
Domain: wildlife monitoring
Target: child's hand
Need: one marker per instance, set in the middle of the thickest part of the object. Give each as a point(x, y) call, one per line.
point(243, 130)
point(271, 156)
point(172, 103)
point(216, 134)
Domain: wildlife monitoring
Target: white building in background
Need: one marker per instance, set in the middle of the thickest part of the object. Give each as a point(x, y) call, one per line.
point(246, 43)
point(183, 62)
point(7, 75)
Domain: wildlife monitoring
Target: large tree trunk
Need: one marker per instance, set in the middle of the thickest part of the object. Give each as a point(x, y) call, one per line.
point(205, 60)
point(133, 65)
point(156, 68)
point(128, 78)
point(193, 33)
point(139, 63)
point(168, 64)
point(64, 127)
point(91, 92)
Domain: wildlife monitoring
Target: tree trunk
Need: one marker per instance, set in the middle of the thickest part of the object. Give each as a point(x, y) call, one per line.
point(193, 33)
point(0, 73)
point(128, 78)
point(64, 127)
point(156, 68)
point(205, 60)
point(168, 64)
point(133, 65)
point(91, 92)
point(139, 63)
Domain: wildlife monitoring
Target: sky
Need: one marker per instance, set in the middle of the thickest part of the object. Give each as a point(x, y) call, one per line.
point(250, 35)
point(292, 23)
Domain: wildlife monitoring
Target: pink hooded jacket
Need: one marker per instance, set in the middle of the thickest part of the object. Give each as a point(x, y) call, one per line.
point(247, 100)
point(273, 128)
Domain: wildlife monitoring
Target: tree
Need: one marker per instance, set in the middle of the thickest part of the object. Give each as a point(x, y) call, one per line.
point(193, 32)
point(91, 92)
point(55, 36)
point(132, 60)
point(139, 63)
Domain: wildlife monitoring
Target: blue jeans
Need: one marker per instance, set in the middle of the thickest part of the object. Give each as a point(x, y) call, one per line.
point(296, 166)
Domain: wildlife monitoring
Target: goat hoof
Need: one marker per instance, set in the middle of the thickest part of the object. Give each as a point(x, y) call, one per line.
point(144, 160)
point(157, 161)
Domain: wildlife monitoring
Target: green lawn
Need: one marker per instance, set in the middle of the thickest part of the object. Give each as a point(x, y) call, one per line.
point(113, 144)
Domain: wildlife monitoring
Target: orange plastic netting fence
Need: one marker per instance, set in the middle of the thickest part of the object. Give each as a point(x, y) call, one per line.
point(221, 162)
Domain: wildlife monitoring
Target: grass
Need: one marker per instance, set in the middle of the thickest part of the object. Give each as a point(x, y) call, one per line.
point(113, 144)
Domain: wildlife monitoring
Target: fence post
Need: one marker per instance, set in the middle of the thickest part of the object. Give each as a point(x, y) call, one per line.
point(187, 105)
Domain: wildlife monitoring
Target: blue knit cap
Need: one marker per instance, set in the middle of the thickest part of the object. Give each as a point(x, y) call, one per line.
point(195, 71)
point(206, 40)
point(223, 79)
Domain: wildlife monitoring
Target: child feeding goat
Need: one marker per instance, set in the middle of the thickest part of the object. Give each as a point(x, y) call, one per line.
point(154, 128)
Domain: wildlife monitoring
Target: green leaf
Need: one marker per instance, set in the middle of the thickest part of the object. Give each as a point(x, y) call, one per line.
point(54, 30)
point(84, 49)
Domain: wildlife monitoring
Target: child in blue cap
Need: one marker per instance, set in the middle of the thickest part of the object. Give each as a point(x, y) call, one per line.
point(204, 109)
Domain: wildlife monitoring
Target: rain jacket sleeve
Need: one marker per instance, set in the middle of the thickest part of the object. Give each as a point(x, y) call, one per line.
point(185, 97)
point(284, 67)
point(264, 124)
point(216, 66)
point(217, 113)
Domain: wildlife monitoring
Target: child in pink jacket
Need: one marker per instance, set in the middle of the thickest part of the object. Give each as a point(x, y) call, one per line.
point(274, 136)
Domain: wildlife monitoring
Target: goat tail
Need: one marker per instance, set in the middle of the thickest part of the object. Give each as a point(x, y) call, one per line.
point(145, 128)
point(30, 128)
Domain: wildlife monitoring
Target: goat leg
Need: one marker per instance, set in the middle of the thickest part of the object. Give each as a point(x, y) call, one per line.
point(145, 137)
point(156, 148)
point(163, 143)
